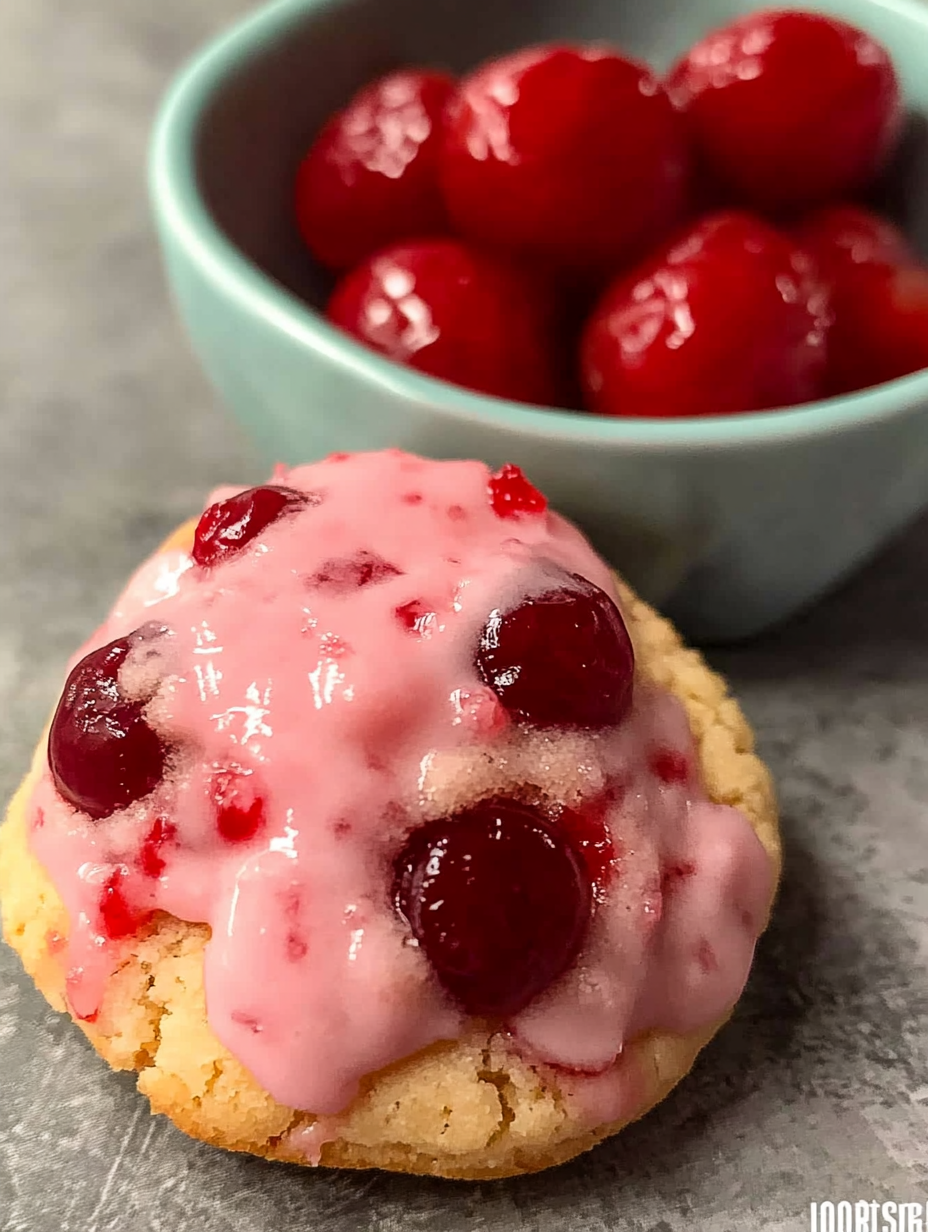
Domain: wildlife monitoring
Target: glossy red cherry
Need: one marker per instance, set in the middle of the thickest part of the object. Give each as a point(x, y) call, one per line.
point(371, 177)
point(841, 238)
point(729, 318)
point(879, 296)
point(570, 156)
point(226, 527)
point(455, 313)
point(788, 109)
point(499, 902)
point(561, 658)
point(101, 752)
point(881, 327)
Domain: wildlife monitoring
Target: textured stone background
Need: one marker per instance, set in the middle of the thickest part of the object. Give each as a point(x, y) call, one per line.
point(108, 437)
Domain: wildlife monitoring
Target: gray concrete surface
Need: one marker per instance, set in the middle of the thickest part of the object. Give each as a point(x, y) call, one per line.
point(819, 1087)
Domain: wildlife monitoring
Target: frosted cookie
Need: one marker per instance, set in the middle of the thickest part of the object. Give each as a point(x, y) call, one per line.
point(379, 826)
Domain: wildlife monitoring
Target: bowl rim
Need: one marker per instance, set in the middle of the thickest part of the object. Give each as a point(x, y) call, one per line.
point(182, 211)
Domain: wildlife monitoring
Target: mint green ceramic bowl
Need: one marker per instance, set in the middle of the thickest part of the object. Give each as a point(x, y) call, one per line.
point(730, 523)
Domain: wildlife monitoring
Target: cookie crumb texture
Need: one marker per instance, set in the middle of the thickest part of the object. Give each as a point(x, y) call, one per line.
point(471, 1109)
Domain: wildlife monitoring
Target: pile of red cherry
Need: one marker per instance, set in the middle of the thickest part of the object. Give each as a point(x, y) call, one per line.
point(678, 247)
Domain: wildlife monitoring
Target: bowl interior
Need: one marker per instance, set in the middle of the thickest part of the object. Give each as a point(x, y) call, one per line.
point(278, 79)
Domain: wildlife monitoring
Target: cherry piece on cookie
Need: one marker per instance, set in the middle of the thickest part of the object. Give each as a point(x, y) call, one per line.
point(561, 658)
point(101, 752)
point(371, 177)
point(511, 494)
point(239, 808)
point(731, 317)
point(499, 902)
point(343, 574)
point(455, 313)
point(591, 839)
point(415, 617)
point(668, 765)
point(571, 156)
point(118, 918)
point(152, 854)
point(229, 525)
point(788, 109)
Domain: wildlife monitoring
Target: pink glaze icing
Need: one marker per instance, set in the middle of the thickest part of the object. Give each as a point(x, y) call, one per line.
point(343, 728)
